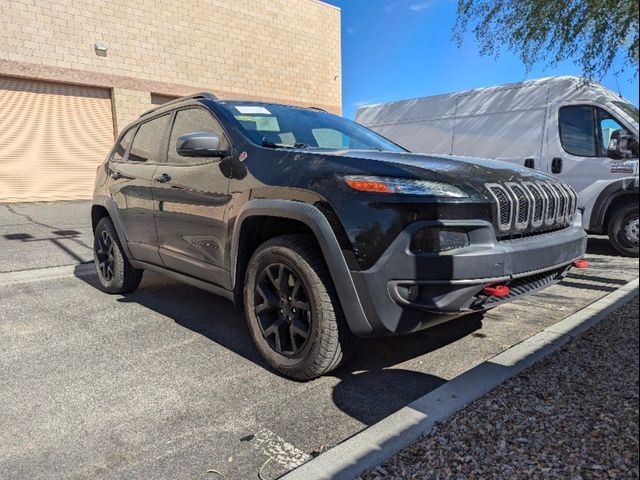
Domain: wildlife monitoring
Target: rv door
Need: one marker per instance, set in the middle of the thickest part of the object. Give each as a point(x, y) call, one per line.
point(577, 147)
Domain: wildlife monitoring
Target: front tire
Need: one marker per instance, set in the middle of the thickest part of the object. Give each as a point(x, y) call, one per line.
point(115, 273)
point(623, 230)
point(292, 310)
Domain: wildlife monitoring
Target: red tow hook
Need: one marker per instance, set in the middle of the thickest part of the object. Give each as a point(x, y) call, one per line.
point(497, 290)
point(582, 263)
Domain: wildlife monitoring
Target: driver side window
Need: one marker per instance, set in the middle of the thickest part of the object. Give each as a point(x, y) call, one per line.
point(192, 120)
point(585, 130)
point(606, 126)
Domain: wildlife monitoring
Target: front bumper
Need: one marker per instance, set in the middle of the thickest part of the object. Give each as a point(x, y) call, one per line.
point(405, 292)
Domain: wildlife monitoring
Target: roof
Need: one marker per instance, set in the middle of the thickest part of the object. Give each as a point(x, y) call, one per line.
point(528, 94)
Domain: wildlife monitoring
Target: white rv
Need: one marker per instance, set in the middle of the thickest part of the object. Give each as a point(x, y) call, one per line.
point(573, 129)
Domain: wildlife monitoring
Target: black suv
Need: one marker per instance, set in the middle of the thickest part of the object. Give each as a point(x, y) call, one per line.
point(323, 230)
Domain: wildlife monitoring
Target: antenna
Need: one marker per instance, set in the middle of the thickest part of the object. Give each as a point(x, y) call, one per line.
point(615, 75)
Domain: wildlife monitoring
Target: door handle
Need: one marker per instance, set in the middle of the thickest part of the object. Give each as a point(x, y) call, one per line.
point(116, 175)
point(162, 178)
point(556, 165)
point(530, 163)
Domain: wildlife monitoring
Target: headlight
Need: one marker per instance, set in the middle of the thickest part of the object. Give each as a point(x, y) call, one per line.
point(403, 186)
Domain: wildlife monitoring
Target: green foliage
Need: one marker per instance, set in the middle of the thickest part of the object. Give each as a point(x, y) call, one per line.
point(592, 33)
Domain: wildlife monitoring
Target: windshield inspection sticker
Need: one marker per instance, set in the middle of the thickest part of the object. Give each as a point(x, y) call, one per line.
point(623, 167)
point(252, 109)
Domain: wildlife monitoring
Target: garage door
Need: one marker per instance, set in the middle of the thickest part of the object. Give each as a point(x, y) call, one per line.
point(52, 138)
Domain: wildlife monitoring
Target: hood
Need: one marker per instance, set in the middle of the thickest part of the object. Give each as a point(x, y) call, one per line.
point(461, 170)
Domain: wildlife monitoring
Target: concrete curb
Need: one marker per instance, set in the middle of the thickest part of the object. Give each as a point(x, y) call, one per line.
point(374, 445)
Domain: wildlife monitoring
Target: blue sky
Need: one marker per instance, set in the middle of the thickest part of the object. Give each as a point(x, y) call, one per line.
point(395, 49)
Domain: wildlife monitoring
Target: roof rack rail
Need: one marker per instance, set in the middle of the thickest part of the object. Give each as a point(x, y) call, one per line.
point(318, 108)
point(206, 95)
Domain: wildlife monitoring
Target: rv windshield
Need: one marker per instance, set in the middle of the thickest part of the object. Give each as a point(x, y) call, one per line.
point(628, 109)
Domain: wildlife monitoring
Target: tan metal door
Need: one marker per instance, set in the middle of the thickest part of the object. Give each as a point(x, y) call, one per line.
point(52, 138)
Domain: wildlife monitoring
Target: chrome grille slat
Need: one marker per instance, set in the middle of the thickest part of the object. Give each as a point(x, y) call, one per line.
point(524, 208)
point(505, 205)
point(562, 203)
point(539, 203)
point(522, 205)
point(552, 206)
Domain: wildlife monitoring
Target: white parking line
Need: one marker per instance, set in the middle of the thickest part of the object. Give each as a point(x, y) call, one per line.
point(278, 449)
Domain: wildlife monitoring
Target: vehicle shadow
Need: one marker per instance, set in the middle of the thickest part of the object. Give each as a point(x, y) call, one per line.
point(370, 386)
point(600, 245)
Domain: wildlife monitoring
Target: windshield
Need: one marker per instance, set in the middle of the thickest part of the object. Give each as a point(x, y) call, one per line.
point(628, 109)
point(280, 126)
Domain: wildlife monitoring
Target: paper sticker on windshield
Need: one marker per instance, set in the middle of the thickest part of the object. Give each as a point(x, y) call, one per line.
point(252, 109)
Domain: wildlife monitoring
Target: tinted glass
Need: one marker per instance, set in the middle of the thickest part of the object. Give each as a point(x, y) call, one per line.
point(606, 125)
point(190, 121)
point(577, 131)
point(123, 144)
point(147, 144)
point(283, 126)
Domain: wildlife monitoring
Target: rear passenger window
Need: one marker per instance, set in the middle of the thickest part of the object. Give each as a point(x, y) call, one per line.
point(148, 142)
point(123, 144)
point(577, 130)
point(193, 120)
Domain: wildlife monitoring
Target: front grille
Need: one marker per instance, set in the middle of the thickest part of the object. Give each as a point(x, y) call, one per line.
point(526, 208)
point(523, 285)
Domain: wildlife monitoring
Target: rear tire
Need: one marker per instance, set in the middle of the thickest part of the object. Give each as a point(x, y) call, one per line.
point(292, 309)
point(623, 230)
point(115, 273)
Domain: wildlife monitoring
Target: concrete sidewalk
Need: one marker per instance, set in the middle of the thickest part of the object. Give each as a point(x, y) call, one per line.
point(42, 235)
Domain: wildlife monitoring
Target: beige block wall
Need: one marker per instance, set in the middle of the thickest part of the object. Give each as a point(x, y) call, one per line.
point(128, 105)
point(274, 50)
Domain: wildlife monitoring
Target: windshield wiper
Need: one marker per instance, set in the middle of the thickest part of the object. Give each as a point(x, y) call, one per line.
point(283, 145)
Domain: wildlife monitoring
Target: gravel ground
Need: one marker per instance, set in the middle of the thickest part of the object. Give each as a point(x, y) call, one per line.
point(572, 415)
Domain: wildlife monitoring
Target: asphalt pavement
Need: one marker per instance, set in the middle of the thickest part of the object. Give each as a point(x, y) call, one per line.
point(165, 382)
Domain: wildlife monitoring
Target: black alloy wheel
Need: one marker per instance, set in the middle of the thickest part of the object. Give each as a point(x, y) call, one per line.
point(292, 308)
point(115, 272)
point(105, 251)
point(283, 309)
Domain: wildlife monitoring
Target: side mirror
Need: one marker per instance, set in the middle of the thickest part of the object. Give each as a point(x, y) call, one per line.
point(199, 144)
point(619, 145)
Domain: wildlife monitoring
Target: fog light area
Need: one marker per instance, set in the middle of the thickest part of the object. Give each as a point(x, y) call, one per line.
point(437, 239)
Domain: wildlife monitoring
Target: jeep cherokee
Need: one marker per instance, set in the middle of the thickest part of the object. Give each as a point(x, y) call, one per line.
point(322, 229)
